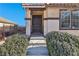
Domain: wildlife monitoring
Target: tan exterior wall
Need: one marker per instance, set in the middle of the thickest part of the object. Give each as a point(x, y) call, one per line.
point(28, 13)
point(50, 25)
point(45, 27)
point(52, 12)
point(28, 27)
point(73, 32)
point(28, 22)
point(53, 25)
point(45, 13)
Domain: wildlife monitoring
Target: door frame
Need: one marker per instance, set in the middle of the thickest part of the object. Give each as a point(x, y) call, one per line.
point(42, 24)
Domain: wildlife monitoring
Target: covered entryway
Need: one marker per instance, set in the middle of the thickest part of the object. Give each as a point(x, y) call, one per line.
point(37, 25)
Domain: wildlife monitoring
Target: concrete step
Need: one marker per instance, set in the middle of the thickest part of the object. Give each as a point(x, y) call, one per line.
point(37, 38)
point(37, 41)
point(30, 46)
point(37, 46)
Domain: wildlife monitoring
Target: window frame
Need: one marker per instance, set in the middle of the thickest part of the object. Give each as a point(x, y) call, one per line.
point(75, 19)
point(60, 21)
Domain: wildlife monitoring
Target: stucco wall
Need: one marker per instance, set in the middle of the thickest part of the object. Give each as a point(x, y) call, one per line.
point(28, 28)
point(50, 25)
point(53, 25)
point(45, 27)
point(45, 15)
point(53, 12)
point(28, 13)
point(73, 32)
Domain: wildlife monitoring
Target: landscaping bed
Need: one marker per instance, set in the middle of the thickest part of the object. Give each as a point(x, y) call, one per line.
point(62, 44)
point(14, 45)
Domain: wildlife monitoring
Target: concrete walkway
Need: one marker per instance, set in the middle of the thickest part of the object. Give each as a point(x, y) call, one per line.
point(37, 47)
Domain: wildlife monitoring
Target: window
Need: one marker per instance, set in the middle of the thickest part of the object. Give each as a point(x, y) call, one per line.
point(75, 19)
point(69, 19)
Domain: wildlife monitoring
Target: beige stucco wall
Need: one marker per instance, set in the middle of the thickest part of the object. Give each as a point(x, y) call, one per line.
point(45, 15)
point(28, 13)
point(45, 27)
point(73, 32)
point(28, 22)
point(52, 12)
point(53, 25)
point(49, 25)
point(28, 27)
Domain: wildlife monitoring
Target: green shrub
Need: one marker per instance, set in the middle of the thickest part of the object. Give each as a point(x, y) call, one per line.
point(15, 45)
point(62, 44)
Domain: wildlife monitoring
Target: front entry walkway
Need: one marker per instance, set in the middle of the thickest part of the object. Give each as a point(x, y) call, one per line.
point(37, 47)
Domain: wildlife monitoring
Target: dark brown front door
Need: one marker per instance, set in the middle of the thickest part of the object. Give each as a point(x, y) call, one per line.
point(36, 24)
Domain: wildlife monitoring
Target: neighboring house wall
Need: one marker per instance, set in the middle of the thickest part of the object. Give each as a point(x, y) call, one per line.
point(6, 27)
point(1, 24)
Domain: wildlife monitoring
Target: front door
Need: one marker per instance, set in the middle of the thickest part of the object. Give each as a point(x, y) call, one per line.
point(37, 24)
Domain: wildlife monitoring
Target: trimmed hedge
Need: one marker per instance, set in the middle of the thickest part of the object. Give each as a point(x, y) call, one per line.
point(15, 45)
point(62, 44)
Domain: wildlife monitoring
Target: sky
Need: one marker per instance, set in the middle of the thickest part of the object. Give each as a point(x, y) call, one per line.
point(50, 1)
point(40, 1)
point(12, 9)
point(13, 12)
